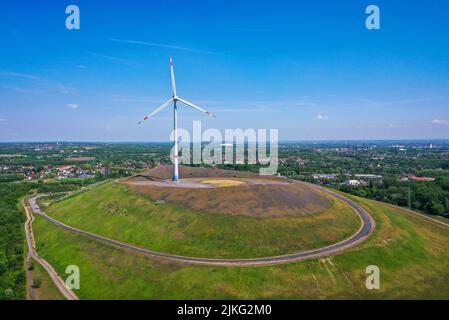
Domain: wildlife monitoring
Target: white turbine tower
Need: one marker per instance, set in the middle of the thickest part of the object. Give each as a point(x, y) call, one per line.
point(175, 99)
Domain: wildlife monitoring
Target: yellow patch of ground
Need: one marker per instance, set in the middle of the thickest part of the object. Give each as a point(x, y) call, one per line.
point(223, 182)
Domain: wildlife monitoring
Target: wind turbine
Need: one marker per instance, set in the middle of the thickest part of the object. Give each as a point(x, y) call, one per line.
point(175, 99)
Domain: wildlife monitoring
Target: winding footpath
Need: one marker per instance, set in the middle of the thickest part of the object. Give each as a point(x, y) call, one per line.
point(367, 227)
point(30, 208)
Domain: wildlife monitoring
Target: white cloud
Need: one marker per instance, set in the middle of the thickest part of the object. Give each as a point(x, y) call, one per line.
point(322, 117)
point(162, 45)
point(18, 75)
point(23, 90)
point(110, 58)
point(2, 120)
point(397, 125)
point(73, 106)
point(65, 90)
point(440, 122)
point(41, 83)
point(374, 103)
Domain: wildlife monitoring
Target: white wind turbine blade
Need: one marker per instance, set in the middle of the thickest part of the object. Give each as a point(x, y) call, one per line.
point(196, 107)
point(165, 104)
point(173, 83)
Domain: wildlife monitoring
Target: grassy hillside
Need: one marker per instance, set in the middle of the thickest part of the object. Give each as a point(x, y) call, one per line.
point(410, 251)
point(113, 210)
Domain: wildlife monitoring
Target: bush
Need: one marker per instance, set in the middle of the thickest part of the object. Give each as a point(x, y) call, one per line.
point(37, 282)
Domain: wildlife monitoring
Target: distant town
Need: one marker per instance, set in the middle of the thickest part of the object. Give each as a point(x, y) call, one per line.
point(413, 174)
point(57, 161)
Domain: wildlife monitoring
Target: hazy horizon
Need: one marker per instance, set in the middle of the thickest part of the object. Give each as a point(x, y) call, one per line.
point(445, 140)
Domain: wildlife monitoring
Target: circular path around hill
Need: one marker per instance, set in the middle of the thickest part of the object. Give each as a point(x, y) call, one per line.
point(366, 229)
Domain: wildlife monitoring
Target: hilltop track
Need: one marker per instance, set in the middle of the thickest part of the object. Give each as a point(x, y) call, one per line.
point(366, 229)
point(150, 178)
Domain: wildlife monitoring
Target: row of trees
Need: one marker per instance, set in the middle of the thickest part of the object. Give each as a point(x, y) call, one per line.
point(12, 274)
point(11, 177)
point(431, 197)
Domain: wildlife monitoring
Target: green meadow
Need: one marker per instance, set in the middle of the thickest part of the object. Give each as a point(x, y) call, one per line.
point(114, 211)
point(44, 287)
point(410, 251)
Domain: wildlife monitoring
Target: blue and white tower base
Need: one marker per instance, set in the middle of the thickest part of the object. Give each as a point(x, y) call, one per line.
point(175, 138)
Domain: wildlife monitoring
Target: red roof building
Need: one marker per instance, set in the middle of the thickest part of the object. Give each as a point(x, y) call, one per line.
point(422, 179)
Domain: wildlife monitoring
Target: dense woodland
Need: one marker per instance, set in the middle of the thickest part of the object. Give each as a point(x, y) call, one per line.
point(429, 197)
point(12, 274)
point(12, 237)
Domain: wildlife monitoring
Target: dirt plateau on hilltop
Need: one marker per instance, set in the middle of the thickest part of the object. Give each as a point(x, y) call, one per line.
point(256, 200)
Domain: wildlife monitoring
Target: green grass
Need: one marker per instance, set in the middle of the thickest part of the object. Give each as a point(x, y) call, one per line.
point(47, 289)
point(113, 210)
point(410, 251)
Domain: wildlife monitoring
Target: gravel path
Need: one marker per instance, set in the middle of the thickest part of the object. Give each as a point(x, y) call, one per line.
point(367, 227)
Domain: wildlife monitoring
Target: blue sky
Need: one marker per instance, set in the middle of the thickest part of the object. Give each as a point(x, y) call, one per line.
point(308, 68)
